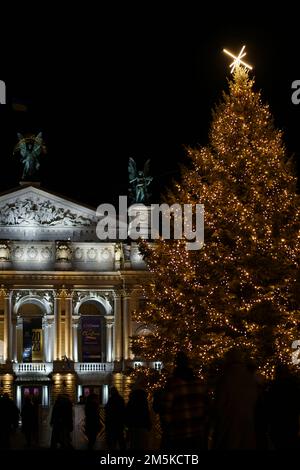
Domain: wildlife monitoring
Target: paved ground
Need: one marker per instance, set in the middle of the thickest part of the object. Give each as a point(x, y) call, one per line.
point(79, 440)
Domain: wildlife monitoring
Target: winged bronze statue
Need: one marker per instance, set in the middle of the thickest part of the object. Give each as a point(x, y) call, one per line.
point(139, 182)
point(30, 148)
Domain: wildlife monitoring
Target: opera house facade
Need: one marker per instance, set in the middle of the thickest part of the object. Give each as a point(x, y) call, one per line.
point(66, 299)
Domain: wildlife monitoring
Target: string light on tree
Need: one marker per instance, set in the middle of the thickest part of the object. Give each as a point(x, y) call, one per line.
point(237, 59)
point(242, 289)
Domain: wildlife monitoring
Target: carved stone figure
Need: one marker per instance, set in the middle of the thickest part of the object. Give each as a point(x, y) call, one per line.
point(139, 181)
point(63, 252)
point(30, 148)
point(4, 251)
point(28, 212)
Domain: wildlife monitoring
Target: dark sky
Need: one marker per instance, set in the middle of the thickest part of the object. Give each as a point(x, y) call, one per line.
point(103, 88)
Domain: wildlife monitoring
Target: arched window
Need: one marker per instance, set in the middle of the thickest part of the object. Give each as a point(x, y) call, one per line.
point(31, 340)
point(92, 344)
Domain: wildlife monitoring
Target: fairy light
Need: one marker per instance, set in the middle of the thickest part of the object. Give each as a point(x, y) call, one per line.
point(239, 289)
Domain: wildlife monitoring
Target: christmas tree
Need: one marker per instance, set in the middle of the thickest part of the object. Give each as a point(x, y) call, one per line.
point(240, 290)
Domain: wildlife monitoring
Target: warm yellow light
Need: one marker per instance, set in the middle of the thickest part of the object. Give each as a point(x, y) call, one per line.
point(237, 59)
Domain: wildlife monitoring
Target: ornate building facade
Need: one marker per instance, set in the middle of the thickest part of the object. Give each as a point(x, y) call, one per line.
point(66, 298)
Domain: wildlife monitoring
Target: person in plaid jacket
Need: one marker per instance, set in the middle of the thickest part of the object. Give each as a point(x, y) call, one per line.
point(183, 409)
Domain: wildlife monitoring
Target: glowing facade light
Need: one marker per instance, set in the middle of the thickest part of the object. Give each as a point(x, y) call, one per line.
point(237, 59)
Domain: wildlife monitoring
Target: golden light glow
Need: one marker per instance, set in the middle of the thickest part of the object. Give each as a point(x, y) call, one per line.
point(242, 289)
point(237, 59)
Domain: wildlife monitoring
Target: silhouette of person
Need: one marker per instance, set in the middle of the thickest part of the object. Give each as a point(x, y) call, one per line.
point(92, 419)
point(137, 417)
point(29, 420)
point(283, 405)
point(182, 406)
point(158, 408)
point(235, 406)
point(261, 416)
point(9, 415)
point(115, 421)
point(62, 423)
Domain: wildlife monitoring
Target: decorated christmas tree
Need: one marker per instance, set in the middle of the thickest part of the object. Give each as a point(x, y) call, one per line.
point(240, 290)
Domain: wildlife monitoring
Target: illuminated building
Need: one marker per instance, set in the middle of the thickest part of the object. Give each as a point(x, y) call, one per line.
point(66, 298)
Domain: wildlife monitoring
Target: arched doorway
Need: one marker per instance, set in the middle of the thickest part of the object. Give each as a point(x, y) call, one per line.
point(30, 337)
point(92, 338)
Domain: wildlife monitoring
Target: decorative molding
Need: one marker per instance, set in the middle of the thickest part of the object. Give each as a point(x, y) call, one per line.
point(31, 252)
point(117, 294)
point(30, 212)
point(64, 292)
point(46, 295)
point(75, 321)
point(78, 254)
point(103, 297)
point(133, 277)
point(106, 254)
point(92, 254)
point(143, 330)
point(5, 250)
point(126, 292)
point(48, 321)
point(42, 296)
point(119, 253)
point(4, 292)
point(79, 295)
point(63, 251)
point(109, 319)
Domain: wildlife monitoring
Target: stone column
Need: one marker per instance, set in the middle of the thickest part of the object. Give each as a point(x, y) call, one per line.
point(75, 324)
point(45, 396)
point(134, 305)
point(79, 391)
point(19, 339)
point(48, 339)
point(45, 339)
point(14, 338)
point(117, 327)
point(126, 323)
point(7, 325)
point(19, 397)
point(104, 394)
point(109, 320)
point(51, 336)
point(68, 325)
point(57, 326)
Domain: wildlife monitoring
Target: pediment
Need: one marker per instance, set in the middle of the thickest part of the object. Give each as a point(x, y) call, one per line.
point(32, 206)
point(30, 211)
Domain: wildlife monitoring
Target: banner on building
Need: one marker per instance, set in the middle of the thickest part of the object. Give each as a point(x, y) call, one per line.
point(27, 341)
point(91, 339)
point(32, 340)
point(37, 344)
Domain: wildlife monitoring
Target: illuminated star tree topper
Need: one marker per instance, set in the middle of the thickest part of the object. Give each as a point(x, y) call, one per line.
point(237, 60)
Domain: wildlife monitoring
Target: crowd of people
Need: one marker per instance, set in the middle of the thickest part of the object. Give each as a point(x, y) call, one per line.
point(240, 411)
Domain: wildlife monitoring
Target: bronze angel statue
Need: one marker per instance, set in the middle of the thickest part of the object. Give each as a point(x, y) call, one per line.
point(30, 148)
point(139, 182)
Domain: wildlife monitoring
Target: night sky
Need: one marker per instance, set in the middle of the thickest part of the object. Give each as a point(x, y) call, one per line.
point(103, 89)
